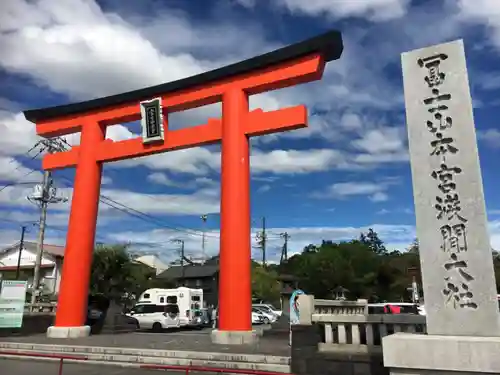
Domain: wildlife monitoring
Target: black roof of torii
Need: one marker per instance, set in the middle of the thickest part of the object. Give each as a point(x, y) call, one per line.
point(329, 45)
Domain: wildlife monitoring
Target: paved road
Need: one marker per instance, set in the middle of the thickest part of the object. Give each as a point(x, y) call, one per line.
point(29, 367)
point(188, 340)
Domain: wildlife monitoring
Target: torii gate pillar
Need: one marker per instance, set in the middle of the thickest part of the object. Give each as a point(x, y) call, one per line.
point(233, 84)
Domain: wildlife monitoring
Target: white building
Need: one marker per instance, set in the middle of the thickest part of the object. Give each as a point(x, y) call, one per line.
point(152, 261)
point(50, 270)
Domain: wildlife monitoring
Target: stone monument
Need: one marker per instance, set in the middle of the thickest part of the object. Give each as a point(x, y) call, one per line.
point(455, 252)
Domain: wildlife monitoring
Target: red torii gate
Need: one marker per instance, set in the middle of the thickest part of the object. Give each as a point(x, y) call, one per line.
point(231, 85)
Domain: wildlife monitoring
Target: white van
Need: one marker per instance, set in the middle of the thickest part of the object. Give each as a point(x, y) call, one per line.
point(155, 317)
point(189, 302)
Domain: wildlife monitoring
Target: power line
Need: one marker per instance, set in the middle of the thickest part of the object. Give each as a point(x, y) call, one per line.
point(174, 226)
point(60, 144)
point(42, 146)
point(16, 182)
point(143, 216)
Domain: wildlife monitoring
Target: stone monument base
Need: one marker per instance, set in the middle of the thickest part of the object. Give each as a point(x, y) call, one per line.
point(235, 337)
point(68, 332)
point(412, 354)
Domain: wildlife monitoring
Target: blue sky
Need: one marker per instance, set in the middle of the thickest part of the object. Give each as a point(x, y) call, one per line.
point(348, 171)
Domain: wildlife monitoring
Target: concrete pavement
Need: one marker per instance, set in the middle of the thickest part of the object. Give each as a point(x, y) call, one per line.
point(192, 340)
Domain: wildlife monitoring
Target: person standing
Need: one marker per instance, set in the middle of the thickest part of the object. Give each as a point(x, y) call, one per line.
point(209, 314)
point(294, 311)
point(214, 318)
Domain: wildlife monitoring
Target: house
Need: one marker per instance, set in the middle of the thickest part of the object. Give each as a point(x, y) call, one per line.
point(50, 270)
point(153, 262)
point(199, 276)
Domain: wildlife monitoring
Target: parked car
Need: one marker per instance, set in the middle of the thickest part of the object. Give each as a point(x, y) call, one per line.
point(268, 307)
point(269, 317)
point(156, 317)
point(104, 314)
point(257, 318)
point(205, 319)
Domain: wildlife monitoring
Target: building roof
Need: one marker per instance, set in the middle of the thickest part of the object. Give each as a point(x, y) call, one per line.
point(152, 261)
point(190, 271)
point(329, 45)
point(54, 250)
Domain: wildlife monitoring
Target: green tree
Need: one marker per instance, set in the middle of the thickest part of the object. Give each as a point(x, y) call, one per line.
point(265, 284)
point(414, 247)
point(373, 241)
point(115, 274)
point(362, 266)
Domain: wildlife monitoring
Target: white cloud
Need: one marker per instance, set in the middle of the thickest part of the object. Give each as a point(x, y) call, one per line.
point(13, 171)
point(264, 188)
point(491, 137)
point(396, 237)
point(374, 10)
point(161, 178)
point(18, 135)
point(246, 3)
point(383, 140)
point(375, 191)
point(89, 56)
point(379, 197)
point(484, 12)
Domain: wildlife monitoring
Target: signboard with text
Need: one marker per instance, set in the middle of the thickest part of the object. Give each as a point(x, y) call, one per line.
point(152, 121)
point(12, 300)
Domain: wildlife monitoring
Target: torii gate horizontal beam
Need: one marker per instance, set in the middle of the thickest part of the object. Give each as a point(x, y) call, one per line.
point(258, 123)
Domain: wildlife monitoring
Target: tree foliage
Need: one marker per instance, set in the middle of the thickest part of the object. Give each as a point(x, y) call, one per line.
point(265, 284)
point(116, 275)
point(364, 267)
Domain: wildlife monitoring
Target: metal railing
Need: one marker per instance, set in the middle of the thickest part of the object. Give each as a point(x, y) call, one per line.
point(179, 368)
point(59, 357)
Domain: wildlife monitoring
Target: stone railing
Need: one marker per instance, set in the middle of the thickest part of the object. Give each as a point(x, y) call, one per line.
point(36, 308)
point(347, 326)
point(338, 307)
point(363, 332)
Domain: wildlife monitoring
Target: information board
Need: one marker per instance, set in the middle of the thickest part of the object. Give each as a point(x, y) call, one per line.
point(12, 300)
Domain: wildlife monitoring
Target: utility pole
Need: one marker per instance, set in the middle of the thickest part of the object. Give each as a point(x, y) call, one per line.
point(182, 259)
point(262, 241)
point(284, 251)
point(21, 245)
point(43, 195)
point(203, 239)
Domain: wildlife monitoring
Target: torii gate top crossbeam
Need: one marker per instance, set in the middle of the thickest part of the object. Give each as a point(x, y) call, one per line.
point(288, 66)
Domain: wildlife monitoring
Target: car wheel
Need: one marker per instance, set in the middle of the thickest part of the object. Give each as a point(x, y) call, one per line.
point(157, 327)
point(266, 321)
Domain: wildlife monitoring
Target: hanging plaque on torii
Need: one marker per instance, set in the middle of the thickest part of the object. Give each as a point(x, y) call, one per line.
point(152, 121)
point(232, 85)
